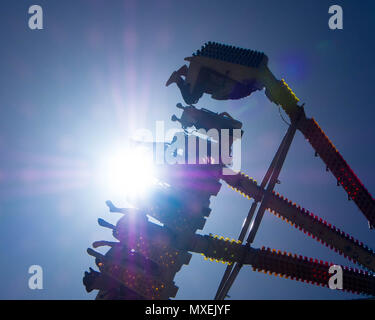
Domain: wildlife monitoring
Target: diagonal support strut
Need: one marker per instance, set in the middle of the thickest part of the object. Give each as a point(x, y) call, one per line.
point(270, 179)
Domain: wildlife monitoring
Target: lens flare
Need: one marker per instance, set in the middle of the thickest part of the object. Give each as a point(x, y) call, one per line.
point(129, 172)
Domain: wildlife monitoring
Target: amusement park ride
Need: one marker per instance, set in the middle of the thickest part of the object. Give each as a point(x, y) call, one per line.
point(144, 261)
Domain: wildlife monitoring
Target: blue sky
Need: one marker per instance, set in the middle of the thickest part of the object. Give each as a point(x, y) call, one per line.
point(70, 93)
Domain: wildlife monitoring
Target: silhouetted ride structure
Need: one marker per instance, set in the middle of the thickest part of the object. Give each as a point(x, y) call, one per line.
point(144, 260)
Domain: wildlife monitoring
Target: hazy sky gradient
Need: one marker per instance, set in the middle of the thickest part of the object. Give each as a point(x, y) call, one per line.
point(73, 91)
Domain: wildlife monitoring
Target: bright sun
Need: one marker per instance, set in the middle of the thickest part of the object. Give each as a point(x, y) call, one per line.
point(129, 172)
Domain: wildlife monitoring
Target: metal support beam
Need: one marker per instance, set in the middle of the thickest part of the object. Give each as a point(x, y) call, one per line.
point(270, 178)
